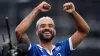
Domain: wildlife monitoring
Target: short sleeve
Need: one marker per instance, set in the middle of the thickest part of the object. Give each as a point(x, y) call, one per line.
point(67, 45)
point(31, 49)
point(70, 44)
point(30, 46)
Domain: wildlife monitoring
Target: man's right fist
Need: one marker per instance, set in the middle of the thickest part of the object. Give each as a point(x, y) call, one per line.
point(43, 7)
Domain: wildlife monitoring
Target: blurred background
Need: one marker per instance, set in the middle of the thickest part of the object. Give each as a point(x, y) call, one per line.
point(17, 10)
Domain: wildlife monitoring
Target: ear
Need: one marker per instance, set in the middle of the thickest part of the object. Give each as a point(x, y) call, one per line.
point(37, 32)
point(54, 31)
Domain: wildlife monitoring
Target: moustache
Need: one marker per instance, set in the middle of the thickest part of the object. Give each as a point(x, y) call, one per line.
point(46, 30)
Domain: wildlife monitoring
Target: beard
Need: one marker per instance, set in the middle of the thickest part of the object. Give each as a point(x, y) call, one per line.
point(44, 39)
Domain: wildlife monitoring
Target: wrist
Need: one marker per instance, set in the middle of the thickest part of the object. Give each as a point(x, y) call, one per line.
point(73, 12)
point(37, 10)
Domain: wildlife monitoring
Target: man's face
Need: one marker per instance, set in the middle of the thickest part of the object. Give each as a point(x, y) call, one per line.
point(45, 30)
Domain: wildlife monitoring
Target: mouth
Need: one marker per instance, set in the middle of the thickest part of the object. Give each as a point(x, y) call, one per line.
point(47, 34)
point(46, 31)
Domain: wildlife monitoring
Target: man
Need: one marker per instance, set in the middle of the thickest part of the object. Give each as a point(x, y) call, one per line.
point(45, 30)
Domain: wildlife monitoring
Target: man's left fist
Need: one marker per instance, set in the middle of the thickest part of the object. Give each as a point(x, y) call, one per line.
point(69, 7)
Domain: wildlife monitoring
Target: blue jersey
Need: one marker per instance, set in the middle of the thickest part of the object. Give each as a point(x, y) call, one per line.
point(62, 48)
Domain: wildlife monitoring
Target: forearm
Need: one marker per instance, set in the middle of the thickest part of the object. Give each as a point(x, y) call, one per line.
point(26, 22)
point(82, 26)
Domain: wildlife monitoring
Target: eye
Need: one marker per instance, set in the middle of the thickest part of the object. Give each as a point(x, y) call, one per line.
point(42, 25)
point(51, 25)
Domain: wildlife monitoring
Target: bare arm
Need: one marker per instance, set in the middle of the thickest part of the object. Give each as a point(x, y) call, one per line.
point(82, 26)
point(27, 21)
point(24, 25)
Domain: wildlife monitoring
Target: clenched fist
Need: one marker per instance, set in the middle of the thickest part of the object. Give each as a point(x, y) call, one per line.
point(69, 7)
point(43, 7)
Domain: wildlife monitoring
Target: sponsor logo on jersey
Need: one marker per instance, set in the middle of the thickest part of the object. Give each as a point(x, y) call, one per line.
point(58, 48)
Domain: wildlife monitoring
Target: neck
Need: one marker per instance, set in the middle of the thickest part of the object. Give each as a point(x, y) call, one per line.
point(47, 45)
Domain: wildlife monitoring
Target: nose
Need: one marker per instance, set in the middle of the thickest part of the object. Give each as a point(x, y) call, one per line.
point(46, 27)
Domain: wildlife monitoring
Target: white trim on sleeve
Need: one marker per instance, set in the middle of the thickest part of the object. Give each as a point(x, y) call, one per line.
point(30, 46)
point(70, 44)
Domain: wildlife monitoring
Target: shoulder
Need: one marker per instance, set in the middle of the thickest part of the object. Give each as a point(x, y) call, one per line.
point(66, 44)
point(61, 43)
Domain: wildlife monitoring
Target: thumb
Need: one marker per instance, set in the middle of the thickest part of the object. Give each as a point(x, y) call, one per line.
point(65, 8)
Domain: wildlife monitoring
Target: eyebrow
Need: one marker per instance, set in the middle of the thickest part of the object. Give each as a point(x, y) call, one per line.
point(48, 24)
point(42, 24)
